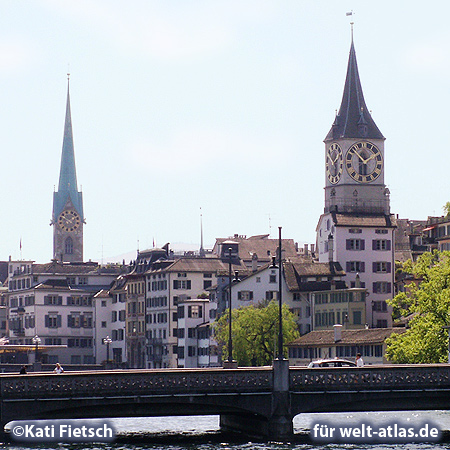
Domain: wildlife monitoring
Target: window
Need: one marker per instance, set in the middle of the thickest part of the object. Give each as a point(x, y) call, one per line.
point(381, 287)
point(180, 312)
point(180, 333)
point(381, 231)
point(381, 244)
point(191, 350)
point(381, 267)
point(52, 300)
point(180, 352)
point(271, 295)
point(355, 266)
point(245, 295)
point(68, 246)
point(357, 318)
point(82, 280)
point(355, 230)
point(207, 284)
point(379, 306)
point(355, 244)
point(104, 324)
point(182, 284)
point(182, 275)
point(191, 333)
point(53, 320)
point(272, 278)
point(195, 311)
point(380, 324)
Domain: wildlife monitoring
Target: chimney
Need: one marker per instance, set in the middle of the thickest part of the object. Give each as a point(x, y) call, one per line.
point(357, 281)
point(337, 332)
point(254, 262)
point(313, 247)
point(330, 248)
point(306, 249)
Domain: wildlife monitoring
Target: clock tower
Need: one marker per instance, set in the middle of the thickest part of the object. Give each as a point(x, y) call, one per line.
point(356, 228)
point(67, 217)
point(354, 154)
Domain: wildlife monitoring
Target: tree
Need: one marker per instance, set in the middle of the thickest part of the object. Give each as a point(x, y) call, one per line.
point(446, 209)
point(255, 333)
point(426, 341)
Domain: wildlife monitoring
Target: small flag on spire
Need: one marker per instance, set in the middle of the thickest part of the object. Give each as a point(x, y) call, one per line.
point(20, 244)
point(349, 13)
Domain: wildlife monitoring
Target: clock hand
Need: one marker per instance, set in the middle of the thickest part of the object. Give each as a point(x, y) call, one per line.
point(361, 158)
point(369, 158)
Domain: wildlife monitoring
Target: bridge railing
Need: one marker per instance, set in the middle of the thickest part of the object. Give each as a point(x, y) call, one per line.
point(370, 377)
point(135, 383)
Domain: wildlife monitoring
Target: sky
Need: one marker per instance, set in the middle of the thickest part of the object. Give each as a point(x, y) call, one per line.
point(185, 111)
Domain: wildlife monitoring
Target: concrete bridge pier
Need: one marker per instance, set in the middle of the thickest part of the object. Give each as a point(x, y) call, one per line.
point(277, 423)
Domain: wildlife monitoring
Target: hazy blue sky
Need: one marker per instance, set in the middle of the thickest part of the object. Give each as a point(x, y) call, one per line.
point(222, 105)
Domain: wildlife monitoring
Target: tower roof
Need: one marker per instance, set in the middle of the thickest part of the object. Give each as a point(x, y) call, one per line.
point(353, 119)
point(67, 187)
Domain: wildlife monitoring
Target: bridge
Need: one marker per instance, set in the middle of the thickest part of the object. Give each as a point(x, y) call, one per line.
point(259, 402)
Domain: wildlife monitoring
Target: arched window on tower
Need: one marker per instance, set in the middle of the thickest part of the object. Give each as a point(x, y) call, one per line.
point(68, 246)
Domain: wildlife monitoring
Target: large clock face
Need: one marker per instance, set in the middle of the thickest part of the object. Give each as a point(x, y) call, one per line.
point(335, 163)
point(69, 220)
point(364, 162)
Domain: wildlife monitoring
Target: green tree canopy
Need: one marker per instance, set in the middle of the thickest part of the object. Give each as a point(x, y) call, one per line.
point(255, 333)
point(446, 209)
point(428, 300)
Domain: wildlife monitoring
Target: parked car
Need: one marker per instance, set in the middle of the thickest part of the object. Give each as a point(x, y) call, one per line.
point(331, 363)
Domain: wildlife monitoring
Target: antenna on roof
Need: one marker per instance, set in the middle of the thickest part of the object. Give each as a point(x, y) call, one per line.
point(202, 250)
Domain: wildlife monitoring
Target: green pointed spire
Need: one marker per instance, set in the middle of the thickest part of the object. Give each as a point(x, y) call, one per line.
point(67, 187)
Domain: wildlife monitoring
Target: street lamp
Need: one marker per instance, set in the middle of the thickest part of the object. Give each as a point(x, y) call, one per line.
point(107, 341)
point(280, 304)
point(37, 363)
point(230, 341)
point(36, 341)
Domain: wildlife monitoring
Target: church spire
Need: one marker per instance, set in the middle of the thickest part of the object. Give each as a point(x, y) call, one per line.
point(67, 187)
point(353, 119)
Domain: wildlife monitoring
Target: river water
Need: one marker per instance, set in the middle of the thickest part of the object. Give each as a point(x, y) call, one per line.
point(202, 433)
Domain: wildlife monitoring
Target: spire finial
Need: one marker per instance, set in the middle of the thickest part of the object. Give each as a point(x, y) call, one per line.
point(351, 23)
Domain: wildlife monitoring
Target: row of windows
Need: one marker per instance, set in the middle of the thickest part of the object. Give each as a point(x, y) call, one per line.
point(54, 320)
point(359, 244)
point(73, 280)
point(120, 316)
point(156, 302)
point(324, 319)
point(333, 297)
point(118, 335)
point(136, 308)
point(136, 288)
point(28, 300)
point(160, 285)
point(193, 311)
point(23, 283)
point(182, 284)
point(121, 298)
point(80, 342)
point(342, 351)
point(360, 267)
point(157, 318)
